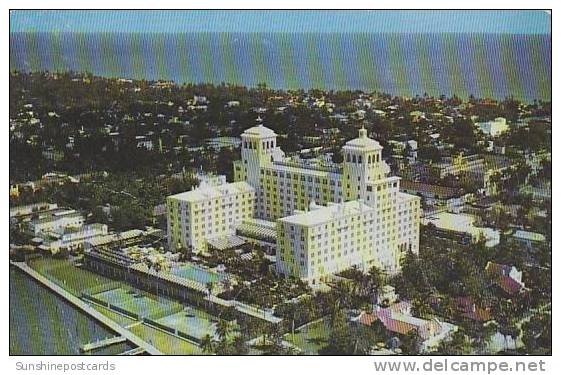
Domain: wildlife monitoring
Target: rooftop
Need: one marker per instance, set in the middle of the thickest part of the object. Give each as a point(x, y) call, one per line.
point(442, 192)
point(225, 242)
point(398, 321)
point(260, 131)
point(296, 166)
point(497, 161)
point(260, 229)
point(531, 236)
point(209, 192)
point(321, 214)
point(467, 307)
point(363, 142)
point(463, 223)
point(107, 239)
point(508, 278)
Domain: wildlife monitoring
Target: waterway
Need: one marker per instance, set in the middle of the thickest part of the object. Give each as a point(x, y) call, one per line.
point(485, 65)
point(42, 323)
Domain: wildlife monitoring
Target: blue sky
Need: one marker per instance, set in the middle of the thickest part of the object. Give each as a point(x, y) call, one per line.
point(511, 22)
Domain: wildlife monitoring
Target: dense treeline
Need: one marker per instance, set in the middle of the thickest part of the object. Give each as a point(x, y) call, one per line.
point(104, 116)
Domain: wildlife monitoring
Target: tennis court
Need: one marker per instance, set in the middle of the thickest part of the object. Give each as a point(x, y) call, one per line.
point(193, 322)
point(198, 274)
point(135, 302)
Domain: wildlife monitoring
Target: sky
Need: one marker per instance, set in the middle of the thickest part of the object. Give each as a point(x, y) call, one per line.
point(376, 21)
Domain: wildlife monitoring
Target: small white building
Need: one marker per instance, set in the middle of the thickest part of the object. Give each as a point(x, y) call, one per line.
point(144, 142)
point(528, 238)
point(56, 222)
point(74, 238)
point(398, 319)
point(220, 143)
point(493, 128)
point(31, 209)
point(465, 224)
point(506, 277)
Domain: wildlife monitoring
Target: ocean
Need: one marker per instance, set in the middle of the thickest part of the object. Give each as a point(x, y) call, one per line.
point(483, 65)
point(42, 323)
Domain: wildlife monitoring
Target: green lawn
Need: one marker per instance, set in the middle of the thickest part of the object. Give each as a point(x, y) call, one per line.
point(311, 338)
point(65, 274)
point(120, 319)
point(166, 343)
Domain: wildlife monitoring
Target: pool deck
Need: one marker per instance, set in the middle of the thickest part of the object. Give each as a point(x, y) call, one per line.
point(90, 311)
point(198, 274)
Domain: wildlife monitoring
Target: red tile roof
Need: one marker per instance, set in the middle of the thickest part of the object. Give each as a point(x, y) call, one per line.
point(395, 320)
point(509, 285)
point(468, 308)
point(368, 319)
point(500, 274)
point(398, 326)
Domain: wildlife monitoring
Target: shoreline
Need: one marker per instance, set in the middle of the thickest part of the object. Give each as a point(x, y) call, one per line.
point(85, 308)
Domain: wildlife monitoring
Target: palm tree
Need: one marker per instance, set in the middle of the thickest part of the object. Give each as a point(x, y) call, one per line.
point(377, 280)
point(274, 333)
point(157, 267)
point(227, 283)
point(209, 286)
point(292, 310)
point(207, 344)
point(223, 329)
point(239, 345)
point(421, 306)
point(411, 342)
point(482, 334)
point(457, 345)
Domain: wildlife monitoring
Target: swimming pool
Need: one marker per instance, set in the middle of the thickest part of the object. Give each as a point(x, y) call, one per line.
point(198, 274)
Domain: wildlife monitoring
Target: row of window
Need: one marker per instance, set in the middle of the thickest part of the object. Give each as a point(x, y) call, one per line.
point(358, 158)
point(301, 177)
point(253, 145)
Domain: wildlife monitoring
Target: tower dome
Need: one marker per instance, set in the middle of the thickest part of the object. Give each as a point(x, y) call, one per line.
point(260, 131)
point(363, 142)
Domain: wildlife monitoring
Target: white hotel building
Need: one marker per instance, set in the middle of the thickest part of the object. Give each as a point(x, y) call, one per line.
point(212, 210)
point(329, 216)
